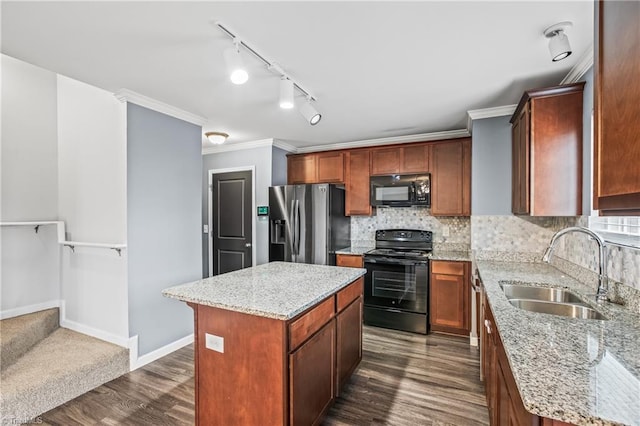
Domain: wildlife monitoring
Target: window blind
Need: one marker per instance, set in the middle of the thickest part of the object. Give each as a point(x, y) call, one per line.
point(624, 230)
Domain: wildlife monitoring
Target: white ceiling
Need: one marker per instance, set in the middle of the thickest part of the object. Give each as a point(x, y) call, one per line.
point(378, 69)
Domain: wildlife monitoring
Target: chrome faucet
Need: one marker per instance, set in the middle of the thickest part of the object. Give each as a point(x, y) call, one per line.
point(603, 285)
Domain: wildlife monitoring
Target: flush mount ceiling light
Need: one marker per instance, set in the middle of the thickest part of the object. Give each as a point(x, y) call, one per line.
point(309, 113)
point(237, 72)
point(286, 93)
point(216, 138)
point(559, 46)
point(287, 84)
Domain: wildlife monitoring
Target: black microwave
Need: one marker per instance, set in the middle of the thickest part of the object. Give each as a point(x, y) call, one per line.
point(401, 190)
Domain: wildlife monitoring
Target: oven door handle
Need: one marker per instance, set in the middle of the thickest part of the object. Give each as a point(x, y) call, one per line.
point(393, 261)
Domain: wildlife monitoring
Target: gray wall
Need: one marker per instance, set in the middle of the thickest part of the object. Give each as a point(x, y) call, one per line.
point(278, 166)
point(260, 158)
point(587, 158)
point(164, 169)
point(491, 166)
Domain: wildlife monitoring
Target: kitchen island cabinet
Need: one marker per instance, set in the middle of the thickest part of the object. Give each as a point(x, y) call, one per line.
point(273, 343)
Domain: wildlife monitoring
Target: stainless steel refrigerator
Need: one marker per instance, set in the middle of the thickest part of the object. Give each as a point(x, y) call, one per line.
point(307, 223)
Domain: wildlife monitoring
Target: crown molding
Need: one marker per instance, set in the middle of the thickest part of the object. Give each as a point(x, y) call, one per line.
point(581, 67)
point(126, 95)
point(284, 145)
point(227, 147)
point(422, 137)
point(479, 114)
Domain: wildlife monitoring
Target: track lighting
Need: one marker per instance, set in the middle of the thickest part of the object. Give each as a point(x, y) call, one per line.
point(559, 46)
point(237, 72)
point(309, 113)
point(288, 85)
point(286, 93)
point(216, 138)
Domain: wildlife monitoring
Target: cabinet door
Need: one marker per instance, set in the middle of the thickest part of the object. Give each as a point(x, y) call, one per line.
point(617, 136)
point(349, 260)
point(385, 161)
point(331, 167)
point(451, 178)
point(450, 295)
point(349, 325)
point(357, 183)
point(520, 164)
point(312, 377)
point(414, 158)
point(302, 169)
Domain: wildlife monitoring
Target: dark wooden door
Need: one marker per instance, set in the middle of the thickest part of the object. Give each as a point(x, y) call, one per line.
point(232, 226)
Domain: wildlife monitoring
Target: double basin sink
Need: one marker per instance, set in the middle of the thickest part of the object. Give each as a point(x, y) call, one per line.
point(554, 301)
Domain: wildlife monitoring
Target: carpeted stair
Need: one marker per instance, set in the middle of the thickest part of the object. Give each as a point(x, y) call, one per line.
point(47, 366)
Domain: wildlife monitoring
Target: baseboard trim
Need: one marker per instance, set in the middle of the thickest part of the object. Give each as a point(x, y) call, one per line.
point(16, 312)
point(136, 362)
point(93, 332)
point(474, 341)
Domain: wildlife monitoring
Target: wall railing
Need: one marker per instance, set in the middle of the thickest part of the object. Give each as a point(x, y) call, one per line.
point(62, 235)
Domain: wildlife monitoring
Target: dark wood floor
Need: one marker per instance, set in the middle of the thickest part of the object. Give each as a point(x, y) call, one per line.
point(404, 379)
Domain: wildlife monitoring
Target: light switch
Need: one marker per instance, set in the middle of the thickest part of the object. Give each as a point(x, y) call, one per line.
point(215, 343)
point(205, 229)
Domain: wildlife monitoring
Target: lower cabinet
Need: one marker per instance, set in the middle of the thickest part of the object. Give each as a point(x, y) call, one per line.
point(503, 398)
point(450, 297)
point(349, 338)
point(350, 260)
point(311, 377)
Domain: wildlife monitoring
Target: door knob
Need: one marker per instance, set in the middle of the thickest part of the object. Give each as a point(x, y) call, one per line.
point(247, 245)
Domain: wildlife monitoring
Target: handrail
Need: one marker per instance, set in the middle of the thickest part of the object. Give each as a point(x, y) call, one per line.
point(118, 247)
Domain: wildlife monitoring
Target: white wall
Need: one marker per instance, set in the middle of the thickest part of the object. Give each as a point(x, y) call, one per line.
point(30, 262)
point(92, 170)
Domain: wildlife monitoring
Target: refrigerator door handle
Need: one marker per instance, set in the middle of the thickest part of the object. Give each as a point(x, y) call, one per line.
point(292, 223)
point(297, 227)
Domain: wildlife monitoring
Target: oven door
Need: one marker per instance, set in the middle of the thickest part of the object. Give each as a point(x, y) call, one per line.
point(400, 284)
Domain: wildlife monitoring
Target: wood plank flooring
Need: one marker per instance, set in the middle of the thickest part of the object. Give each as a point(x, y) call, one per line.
point(404, 379)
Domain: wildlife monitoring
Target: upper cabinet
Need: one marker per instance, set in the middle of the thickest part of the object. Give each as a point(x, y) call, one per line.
point(617, 109)
point(451, 178)
point(331, 167)
point(547, 152)
point(302, 169)
point(357, 183)
point(412, 158)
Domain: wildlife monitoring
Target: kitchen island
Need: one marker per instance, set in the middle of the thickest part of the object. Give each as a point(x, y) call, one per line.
point(274, 343)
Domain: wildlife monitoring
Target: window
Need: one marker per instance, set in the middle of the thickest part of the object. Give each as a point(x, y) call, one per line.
point(618, 230)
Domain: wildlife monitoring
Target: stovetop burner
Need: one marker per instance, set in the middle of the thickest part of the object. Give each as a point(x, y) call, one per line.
point(398, 252)
point(402, 243)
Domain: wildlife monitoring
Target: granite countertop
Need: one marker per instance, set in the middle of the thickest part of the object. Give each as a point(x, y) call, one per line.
point(579, 371)
point(279, 290)
point(357, 250)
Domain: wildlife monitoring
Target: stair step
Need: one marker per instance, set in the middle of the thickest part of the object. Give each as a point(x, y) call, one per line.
point(19, 334)
point(61, 367)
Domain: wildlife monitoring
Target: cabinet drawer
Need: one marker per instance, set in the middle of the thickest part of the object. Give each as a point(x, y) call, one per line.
point(451, 268)
point(350, 293)
point(310, 322)
point(350, 260)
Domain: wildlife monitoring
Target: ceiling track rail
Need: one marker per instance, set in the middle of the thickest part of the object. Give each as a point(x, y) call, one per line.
point(272, 66)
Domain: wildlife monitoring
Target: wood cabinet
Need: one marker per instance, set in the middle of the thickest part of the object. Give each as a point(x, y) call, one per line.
point(350, 260)
point(450, 297)
point(311, 377)
point(302, 169)
point(357, 183)
point(331, 167)
point(298, 366)
point(402, 159)
point(547, 152)
point(451, 178)
point(617, 108)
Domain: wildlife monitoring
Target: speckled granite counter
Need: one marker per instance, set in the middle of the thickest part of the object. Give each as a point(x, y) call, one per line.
point(357, 250)
point(585, 372)
point(463, 256)
point(279, 290)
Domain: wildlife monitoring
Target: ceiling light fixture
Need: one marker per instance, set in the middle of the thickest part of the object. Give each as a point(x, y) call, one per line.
point(286, 93)
point(559, 46)
point(309, 113)
point(237, 72)
point(287, 84)
point(216, 138)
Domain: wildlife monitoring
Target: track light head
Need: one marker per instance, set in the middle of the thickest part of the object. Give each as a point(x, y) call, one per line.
point(237, 72)
point(559, 46)
point(309, 113)
point(286, 93)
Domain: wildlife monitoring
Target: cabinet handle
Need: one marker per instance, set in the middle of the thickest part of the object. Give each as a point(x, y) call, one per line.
point(487, 324)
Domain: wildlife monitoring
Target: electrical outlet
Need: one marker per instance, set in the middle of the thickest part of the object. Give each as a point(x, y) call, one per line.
point(445, 231)
point(213, 342)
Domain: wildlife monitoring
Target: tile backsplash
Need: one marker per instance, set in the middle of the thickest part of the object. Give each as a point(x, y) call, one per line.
point(452, 232)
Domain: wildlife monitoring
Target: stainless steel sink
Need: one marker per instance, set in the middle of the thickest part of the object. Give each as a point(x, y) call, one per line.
point(513, 291)
point(554, 308)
